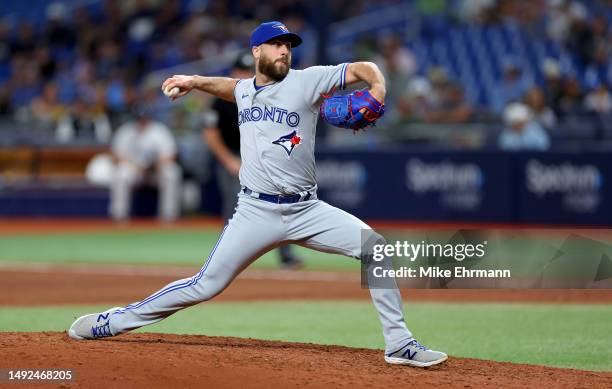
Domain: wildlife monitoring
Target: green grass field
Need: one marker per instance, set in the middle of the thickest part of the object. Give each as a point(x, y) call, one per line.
point(170, 247)
point(576, 336)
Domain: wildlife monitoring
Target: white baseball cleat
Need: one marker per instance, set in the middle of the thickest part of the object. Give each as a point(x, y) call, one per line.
point(92, 326)
point(415, 354)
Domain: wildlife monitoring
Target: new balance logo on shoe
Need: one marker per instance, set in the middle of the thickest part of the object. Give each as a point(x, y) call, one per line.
point(103, 317)
point(408, 355)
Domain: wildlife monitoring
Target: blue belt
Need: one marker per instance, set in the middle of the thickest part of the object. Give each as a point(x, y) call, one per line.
point(277, 199)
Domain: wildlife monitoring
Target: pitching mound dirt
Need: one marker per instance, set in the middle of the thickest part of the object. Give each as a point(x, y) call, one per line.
point(188, 361)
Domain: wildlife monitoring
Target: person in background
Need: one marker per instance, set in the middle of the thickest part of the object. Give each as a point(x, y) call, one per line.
point(599, 100)
point(416, 103)
point(512, 88)
point(521, 131)
point(543, 114)
point(553, 84)
point(222, 135)
point(145, 150)
point(47, 110)
point(5, 101)
point(452, 107)
point(440, 84)
point(571, 102)
point(398, 65)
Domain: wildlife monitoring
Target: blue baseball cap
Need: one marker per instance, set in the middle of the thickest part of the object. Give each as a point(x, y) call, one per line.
point(270, 30)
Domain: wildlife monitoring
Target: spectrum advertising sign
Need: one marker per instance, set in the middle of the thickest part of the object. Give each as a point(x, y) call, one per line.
point(457, 187)
point(417, 186)
point(559, 188)
point(544, 188)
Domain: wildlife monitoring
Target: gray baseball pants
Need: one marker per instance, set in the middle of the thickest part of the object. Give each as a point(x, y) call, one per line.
point(257, 227)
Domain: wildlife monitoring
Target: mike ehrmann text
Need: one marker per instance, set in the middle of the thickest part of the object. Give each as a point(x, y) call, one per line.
point(436, 272)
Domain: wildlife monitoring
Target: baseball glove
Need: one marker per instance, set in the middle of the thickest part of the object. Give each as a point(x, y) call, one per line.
point(344, 110)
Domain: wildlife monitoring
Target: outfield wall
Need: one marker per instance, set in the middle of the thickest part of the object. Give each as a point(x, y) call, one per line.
point(557, 188)
point(543, 188)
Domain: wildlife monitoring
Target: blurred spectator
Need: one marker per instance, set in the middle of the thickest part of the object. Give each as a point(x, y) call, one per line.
point(395, 60)
point(599, 101)
point(342, 9)
point(46, 63)
point(163, 55)
point(572, 99)
point(5, 101)
point(85, 30)
point(580, 38)
point(66, 80)
point(47, 110)
point(475, 11)
point(86, 121)
point(512, 88)
point(542, 113)
point(5, 47)
point(599, 53)
point(559, 20)
point(145, 151)
point(117, 97)
point(600, 34)
point(98, 55)
point(169, 18)
point(24, 85)
point(598, 71)
point(440, 82)
point(108, 58)
point(452, 107)
point(521, 132)
point(416, 104)
point(553, 83)
point(397, 64)
point(59, 34)
point(438, 101)
point(283, 8)
point(140, 27)
point(25, 41)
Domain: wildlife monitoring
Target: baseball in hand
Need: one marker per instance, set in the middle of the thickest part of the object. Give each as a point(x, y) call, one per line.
point(171, 92)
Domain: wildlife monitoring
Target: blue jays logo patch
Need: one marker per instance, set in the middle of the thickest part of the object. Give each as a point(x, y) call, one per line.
point(281, 27)
point(288, 142)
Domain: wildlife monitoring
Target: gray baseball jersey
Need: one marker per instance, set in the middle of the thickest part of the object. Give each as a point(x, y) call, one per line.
point(277, 128)
point(277, 131)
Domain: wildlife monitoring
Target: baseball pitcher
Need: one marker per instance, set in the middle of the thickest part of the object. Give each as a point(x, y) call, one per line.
point(277, 114)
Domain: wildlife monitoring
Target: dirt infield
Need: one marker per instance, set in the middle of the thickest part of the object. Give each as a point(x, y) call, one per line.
point(86, 226)
point(16, 226)
point(65, 285)
point(188, 361)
